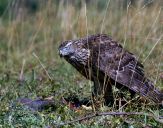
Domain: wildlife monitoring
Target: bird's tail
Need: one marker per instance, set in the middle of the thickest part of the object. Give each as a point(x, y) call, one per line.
point(152, 92)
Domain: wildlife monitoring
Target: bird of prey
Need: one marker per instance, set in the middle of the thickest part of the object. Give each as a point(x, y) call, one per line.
point(105, 62)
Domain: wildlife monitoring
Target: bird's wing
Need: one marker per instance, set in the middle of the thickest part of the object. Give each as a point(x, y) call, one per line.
point(124, 69)
point(121, 66)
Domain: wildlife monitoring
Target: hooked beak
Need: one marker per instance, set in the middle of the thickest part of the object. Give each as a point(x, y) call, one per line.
point(60, 53)
point(63, 52)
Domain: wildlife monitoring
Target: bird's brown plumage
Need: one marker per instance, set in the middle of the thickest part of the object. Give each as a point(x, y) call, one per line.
point(104, 61)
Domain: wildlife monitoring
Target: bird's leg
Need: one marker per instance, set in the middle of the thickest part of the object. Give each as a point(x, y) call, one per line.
point(132, 93)
point(97, 88)
point(103, 91)
point(108, 95)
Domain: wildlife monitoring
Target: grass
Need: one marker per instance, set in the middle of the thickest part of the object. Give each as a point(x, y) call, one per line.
point(139, 27)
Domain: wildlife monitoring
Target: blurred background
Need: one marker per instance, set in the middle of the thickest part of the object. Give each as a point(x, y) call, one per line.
point(31, 31)
point(28, 26)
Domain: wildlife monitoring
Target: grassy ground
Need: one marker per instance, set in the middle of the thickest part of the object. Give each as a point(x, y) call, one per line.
point(138, 28)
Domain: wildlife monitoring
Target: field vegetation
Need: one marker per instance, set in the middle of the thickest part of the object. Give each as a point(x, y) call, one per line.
point(31, 67)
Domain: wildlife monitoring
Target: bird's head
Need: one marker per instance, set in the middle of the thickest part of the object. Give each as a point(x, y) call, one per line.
point(75, 51)
point(79, 51)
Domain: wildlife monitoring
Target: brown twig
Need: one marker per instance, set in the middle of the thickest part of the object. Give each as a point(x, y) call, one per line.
point(158, 119)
